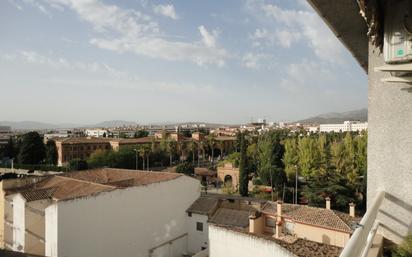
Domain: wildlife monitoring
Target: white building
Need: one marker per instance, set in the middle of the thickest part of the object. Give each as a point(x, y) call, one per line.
point(102, 213)
point(347, 126)
point(96, 132)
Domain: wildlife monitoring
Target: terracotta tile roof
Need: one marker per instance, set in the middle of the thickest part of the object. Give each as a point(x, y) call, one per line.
point(204, 205)
point(300, 247)
point(225, 138)
point(109, 175)
point(130, 141)
point(83, 140)
point(65, 188)
point(85, 183)
point(38, 194)
point(321, 217)
point(231, 217)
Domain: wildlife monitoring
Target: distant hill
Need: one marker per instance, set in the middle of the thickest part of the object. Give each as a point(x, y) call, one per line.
point(336, 117)
point(113, 123)
point(26, 125)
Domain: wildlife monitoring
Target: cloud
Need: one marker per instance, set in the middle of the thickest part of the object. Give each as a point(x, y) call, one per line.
point(208, 39)
point(283, 38)
point(128, 30)
point(100, 74)
point(294, 26)
point(252, 60)
point(304, 76)
point(167, 10)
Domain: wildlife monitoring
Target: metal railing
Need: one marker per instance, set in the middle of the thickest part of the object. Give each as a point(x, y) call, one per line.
point(361, 240)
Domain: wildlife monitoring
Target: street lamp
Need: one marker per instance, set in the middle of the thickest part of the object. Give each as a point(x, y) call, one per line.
point(296, 184)
point(137, 158)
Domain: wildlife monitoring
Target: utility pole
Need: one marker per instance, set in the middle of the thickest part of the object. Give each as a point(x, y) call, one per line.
point(296, 184)
point(137, 158)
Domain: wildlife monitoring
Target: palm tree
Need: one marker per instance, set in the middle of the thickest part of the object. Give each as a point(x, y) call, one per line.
point(212, 142)
point(221, 145)
point(193, 147)
point(171, 149)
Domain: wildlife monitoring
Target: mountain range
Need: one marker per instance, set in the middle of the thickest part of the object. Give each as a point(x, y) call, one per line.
point(332, 117)
point(336, 117)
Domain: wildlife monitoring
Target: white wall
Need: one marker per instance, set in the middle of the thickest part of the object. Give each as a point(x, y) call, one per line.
point(19, 229)
point(197, 239)
point(51, 230)
point(123, 222)
point(228, 243)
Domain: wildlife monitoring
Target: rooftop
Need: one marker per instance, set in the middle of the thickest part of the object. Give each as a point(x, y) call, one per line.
point(300, 247)
point(321, 217)
point(85, 183)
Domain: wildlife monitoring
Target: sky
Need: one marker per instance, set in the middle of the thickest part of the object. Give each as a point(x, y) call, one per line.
point(86, 61)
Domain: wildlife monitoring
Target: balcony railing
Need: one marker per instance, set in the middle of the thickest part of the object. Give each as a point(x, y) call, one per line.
point(361, 241)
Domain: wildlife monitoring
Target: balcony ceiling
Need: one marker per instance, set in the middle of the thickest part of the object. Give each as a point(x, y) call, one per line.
point(343, 18)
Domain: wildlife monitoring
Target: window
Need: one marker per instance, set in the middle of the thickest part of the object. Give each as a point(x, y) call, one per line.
point(189, 214)
point(270, 222)
point(199, 226)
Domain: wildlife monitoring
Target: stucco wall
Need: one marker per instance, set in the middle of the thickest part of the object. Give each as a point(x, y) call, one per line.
point(390, 148)
point(321, 235)
point(197, 239)
point(35, 227)
point(227, 243)
point(124, 222)
point(18, 223)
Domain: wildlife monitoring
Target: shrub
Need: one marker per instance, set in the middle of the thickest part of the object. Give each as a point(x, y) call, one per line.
point(185, 168)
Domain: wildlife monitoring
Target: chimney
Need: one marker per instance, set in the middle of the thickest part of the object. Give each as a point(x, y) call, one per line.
point(252, 219)
point(278, 219)
point(352, 209)
point(327, 199)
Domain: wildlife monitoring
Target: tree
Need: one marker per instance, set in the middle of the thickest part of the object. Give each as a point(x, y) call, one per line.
point(141, 133)
point(243, 173)
point(193, 148)
point(211, 141)
point(78, 164)
point(270, 165)
point(51, 152)
point(308, 156)
point(10, 149)
point(291, 158)
point(404, 249)
point(32, 149)
point(185, 168)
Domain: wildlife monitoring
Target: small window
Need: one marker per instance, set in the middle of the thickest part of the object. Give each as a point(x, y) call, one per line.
point(231, 200)
point(189, 214)
point(199, 226)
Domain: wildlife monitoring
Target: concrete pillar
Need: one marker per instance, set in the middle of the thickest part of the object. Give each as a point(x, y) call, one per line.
point(278, 219)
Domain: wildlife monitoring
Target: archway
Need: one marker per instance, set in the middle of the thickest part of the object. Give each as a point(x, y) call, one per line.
point(228, 181)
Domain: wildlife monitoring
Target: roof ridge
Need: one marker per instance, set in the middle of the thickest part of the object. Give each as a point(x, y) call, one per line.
point(86, 181)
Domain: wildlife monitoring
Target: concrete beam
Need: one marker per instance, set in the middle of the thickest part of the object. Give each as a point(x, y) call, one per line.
point(350, 28)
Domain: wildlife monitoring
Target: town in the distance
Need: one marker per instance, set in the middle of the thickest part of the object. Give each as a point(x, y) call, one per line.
point(175, 167)
point(181, 188)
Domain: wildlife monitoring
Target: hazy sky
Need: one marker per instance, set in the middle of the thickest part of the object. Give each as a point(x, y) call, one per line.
point(85, 61)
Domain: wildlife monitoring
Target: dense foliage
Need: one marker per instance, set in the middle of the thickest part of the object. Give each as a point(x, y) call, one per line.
point(243, 172)
point(32, 149)
point(185, 168)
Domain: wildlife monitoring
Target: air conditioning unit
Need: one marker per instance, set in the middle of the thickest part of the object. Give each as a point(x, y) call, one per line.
point(397, 46)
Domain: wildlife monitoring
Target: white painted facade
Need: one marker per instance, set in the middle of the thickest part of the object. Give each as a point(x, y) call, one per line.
point(18, 223)
point(229, 243)
point(198, 240)
point(123, 222)
point(347, 126)
point(96, 132)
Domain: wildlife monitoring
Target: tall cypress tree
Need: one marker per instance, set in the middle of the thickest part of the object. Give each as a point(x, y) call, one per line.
point(243, 174)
